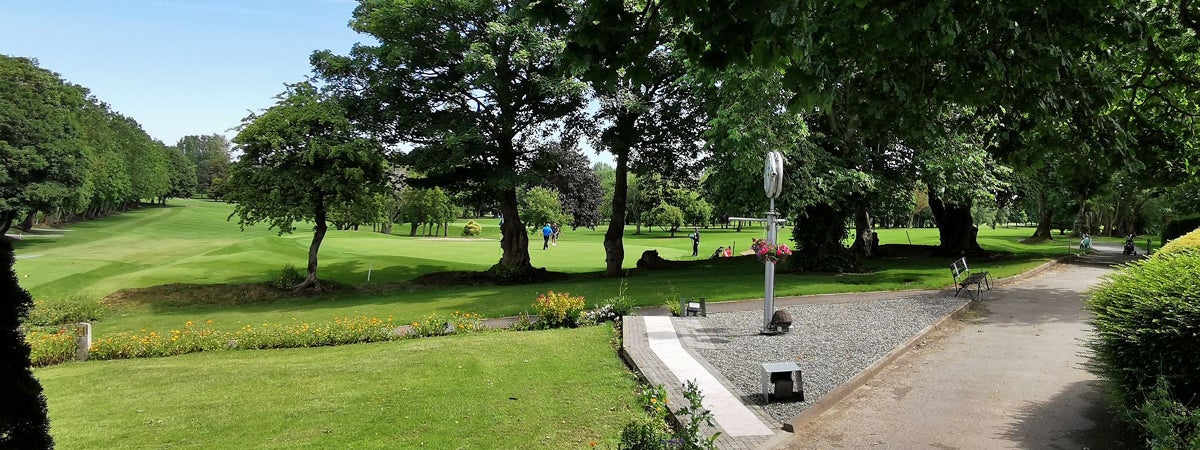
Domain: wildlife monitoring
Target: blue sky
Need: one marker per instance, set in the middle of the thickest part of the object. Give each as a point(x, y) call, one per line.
point(178, 67)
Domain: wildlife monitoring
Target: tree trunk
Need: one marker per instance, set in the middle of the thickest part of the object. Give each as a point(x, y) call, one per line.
point(311, 282)
point(413, 231)
point(1080, 225)
point(1043, 223)
point(385, 228)
point(614, 247)
point(864, 236)
point(6, 219)
point(956, 229)
point(515, 243)
point(27, 224)
point(820, 234)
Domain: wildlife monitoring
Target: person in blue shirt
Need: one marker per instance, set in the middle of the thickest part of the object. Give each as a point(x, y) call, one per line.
point(546, 231)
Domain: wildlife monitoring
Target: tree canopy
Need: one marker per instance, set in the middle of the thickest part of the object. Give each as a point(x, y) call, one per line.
point(477, 88)
point(44, 165)
point(300, 158)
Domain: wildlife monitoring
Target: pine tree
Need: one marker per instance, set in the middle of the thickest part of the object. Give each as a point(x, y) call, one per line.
point(23, 420)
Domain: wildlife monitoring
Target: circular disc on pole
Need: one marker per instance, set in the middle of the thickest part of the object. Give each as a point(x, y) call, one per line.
point(773, 174)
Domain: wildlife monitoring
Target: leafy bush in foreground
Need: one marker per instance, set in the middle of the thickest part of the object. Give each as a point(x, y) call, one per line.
point(1187, 243)
point(557, 310)
point(1147, 321)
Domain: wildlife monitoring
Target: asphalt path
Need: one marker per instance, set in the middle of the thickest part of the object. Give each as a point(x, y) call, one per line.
point(1009, 375)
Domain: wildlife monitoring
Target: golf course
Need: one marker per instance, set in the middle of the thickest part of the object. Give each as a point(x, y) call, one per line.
point(166, 271)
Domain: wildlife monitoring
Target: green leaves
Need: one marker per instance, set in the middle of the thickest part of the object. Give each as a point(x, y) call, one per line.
point(299, 158)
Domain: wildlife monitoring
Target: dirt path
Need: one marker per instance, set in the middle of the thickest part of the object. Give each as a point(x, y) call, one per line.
point(1011, 376)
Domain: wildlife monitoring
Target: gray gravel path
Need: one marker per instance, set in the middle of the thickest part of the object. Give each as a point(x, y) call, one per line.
point(831, 343)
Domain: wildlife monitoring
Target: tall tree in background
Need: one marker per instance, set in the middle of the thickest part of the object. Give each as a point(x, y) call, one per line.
point(578, 187)
point(300, 158)
point(210, 155)
point(183, 176)
point(23, 420)
point(650, 106)
point(43, 163)
point(906, 65)
point(476, 87)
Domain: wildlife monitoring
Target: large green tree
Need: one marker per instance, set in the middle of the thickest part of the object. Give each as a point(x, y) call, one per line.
point(300, 158)
point(650, 107)
point(182, 175)
point(43, 163)
point(210, 155)
point(23, 420)
point(578, 187)
point(475, 87)
point(885, 73)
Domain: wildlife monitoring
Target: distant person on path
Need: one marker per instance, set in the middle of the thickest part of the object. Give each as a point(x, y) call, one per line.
point(546, 232)
point(695, 236)
point(554, 230)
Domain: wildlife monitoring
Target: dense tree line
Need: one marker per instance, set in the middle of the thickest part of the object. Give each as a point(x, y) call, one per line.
point(68, 156)
point(942, 113)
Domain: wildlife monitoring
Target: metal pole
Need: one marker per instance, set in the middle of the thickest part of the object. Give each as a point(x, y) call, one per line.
point(769, 297)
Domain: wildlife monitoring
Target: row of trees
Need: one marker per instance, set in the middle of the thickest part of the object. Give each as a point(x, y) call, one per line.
point(1007, 104)
point(68, 156)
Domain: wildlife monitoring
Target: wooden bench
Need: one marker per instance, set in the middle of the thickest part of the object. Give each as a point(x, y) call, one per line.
point(964, 279)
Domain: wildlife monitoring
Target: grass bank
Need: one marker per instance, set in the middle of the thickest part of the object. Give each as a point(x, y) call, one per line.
point(492, 390)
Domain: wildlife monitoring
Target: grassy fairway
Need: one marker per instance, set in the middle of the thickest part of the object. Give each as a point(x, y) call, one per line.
point(190, 242)
point(494, 390)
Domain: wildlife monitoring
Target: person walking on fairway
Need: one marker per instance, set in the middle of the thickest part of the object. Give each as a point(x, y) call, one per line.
point(546, 230)
point(695, 236)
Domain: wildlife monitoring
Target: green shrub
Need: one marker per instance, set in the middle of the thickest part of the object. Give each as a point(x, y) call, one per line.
point(196, 338)
point(431, 325)
point(653, 433)
point(60, 312)
point(472, 228)
point(288, 277)
point(1179, 227)
point(1147, 321)
point(1187, 243)
point(556, 310)
point(612, 309)
point(644, 433)
point(50, 345)
point(1167, 423)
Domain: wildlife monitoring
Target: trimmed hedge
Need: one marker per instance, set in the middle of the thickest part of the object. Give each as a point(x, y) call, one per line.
point(1187, 243)
point(1179, 227)
point(1147, 321)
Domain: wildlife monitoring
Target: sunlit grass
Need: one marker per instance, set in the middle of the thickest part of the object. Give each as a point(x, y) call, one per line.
point(190, 242)
point(494, 390)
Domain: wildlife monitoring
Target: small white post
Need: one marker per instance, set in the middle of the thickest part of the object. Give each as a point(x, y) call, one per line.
point(369, 267)
point(83, 340)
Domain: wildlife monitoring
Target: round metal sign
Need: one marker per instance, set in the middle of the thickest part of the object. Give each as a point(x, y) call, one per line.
point(773, 175)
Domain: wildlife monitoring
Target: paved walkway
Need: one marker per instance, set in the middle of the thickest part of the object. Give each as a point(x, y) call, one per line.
point(1010, 376)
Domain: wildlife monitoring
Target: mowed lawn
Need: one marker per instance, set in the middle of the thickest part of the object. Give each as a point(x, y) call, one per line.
point(492, 390)
point(190, 242)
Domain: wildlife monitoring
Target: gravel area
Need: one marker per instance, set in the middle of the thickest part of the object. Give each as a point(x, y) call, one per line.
point(830, 342)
